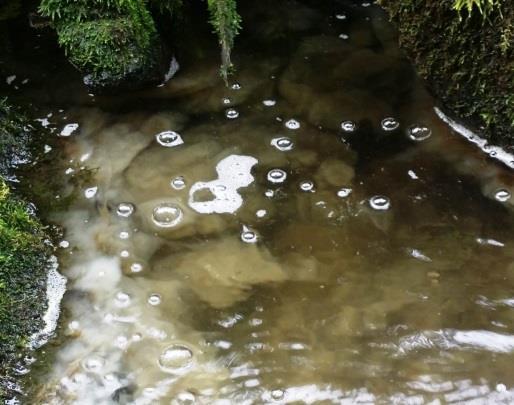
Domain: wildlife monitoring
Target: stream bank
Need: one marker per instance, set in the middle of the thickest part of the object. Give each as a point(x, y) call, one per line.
point(467, 59)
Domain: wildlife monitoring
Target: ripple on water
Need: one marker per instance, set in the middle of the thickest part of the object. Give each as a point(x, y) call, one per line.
point(379, 203)
point(419, 133)
point(167, 215)
point(277, 176)
point(176, 358)
point(283, 143)
point(169, 139)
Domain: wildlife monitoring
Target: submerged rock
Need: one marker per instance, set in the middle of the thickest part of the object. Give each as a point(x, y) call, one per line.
point(223, 272)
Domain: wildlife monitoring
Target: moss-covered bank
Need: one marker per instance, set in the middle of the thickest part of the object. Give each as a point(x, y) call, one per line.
point(466, 55)
point(24, 255)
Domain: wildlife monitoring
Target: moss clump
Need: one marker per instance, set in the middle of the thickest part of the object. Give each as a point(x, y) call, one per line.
point(113, 41)
point(23, 253)
point(465, 50)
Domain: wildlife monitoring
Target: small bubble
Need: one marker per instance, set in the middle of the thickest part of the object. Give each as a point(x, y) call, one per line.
point(292, 124)
point(493, 153)
point(379, 203)
point(93, 364)
point(124, 235)
point(231, 113)
point(283, 143)
point(122, 300)
point(344, 36)
point(277, 394)
point(389, 124)
point(178, 183)
point(348, 126)
point(248, 235)
point(419, 133)
point(341, 16)
point(154, 299)
point(125, 209)
point(269, 193)
point(169, 139)
point(184, 398)
point(269, 102)
point(261, 213)
point(502, 195)
point(236, 86)
point(167, 215)
point(344, 192)
point(226, 101)
point(277, 176)
point(366, 4)
point(69, 129)
point(90, 192)
point(176, 358)
point(307, 185)
point(136, 267)
point(124, 254)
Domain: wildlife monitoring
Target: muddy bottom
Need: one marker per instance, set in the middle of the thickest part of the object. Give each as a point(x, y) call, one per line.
point(312, 233)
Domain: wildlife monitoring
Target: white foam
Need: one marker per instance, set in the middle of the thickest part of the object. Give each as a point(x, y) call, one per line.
point(55, 288)
point(493, 151)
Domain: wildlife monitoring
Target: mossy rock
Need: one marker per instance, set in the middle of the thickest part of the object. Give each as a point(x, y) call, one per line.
point(115, 44)
point(466, 57)
point(24, 255)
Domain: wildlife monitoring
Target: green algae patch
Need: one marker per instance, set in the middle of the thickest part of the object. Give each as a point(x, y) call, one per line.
point(465, 51)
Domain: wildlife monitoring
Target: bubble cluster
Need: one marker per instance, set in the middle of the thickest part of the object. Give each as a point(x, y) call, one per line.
point(169, 139)
point(379, 203)
point(502, 195)
point(231, 113)
point(69, 129)
point(125, 209)
point(176, 358)
point(292, 124)
point(93, 364)
point(419, 133)
point(389, 124)
point(283, 143)
point(167, 215)
point(277, 176)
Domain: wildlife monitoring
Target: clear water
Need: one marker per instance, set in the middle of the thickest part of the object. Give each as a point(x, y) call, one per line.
point(313, 233)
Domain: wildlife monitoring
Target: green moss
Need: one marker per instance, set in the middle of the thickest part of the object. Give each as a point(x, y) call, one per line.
point(105, 37)
point(468, 62)
point(227, 23)
point(23, 255)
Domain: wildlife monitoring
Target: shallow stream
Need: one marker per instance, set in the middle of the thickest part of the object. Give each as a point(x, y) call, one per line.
point(312, 233)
